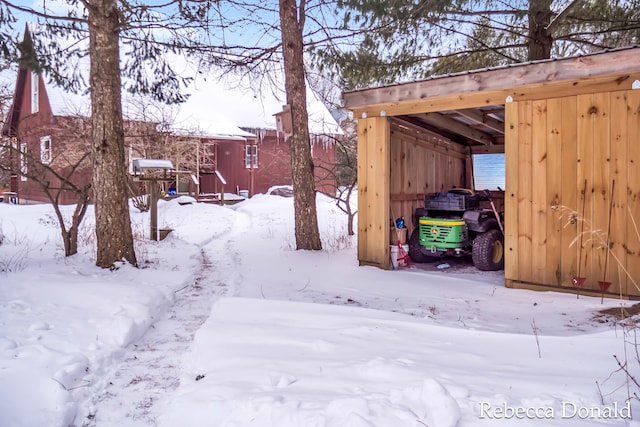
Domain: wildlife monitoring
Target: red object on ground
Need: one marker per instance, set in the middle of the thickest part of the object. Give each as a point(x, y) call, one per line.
point(403, 257)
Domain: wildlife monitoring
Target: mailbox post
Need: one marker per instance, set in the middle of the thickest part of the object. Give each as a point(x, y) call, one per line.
point(153, 171)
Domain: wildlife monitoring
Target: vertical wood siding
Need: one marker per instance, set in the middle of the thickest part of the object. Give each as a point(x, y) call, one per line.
point(373, 191)
point(555, 230)
point(632, 209)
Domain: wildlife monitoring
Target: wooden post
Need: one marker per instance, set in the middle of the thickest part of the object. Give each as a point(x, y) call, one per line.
point(373, 191)
point(512, 156)
point(153, 203)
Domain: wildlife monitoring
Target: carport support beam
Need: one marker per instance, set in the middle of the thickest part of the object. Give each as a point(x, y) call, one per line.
point(374, 137)
point(153, 210)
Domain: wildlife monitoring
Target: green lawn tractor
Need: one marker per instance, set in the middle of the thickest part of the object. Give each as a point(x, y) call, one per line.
point(454, 224)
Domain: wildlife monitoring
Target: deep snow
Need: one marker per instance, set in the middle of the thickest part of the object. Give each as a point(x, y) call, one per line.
point(225, 324)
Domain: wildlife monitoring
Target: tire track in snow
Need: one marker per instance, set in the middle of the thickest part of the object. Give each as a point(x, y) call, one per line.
point(150, 368)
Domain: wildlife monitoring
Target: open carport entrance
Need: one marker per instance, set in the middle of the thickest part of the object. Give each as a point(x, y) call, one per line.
point(436, 152)
point(571, 128)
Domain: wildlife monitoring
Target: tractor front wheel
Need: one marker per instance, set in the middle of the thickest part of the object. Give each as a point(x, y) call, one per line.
point(416, 251)
point(488, 251)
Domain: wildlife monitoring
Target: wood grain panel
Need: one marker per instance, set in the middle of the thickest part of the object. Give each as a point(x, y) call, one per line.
point(619, 140)
point(553, 272)
point(585, 112)
point(571, 187)
point(525, 191)
point(363, 202)
point(633, 192)
point(601, 190)
point(373, 191)
point(539, 192)
point(511, 191)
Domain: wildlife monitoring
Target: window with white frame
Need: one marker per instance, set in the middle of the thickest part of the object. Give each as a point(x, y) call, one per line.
point(488, 171)
point(45, 150)
point(23, 161)
point(35, 99)
point(251, 156)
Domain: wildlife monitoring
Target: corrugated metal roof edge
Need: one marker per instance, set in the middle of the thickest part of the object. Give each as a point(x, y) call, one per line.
point(498, 67)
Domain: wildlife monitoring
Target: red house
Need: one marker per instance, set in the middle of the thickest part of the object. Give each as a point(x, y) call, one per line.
point(226, 138)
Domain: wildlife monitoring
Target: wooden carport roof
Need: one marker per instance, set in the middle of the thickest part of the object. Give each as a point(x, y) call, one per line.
point(468, 107)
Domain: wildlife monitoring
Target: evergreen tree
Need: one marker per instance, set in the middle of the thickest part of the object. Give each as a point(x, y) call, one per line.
point(416, 38)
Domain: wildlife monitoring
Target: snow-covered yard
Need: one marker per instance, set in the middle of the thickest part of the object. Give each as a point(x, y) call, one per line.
point(226, 324)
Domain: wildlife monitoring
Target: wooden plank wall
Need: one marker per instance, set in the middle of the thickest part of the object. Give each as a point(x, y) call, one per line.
point(633, 195)
point(373, 191)
point(556, 230)
point(422, 162)
point(511, 169)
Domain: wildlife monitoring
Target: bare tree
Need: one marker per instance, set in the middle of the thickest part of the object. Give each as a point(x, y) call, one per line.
point(56, 178)
point(343, 171)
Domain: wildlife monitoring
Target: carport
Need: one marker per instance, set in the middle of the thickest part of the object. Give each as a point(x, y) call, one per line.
point(568, 127)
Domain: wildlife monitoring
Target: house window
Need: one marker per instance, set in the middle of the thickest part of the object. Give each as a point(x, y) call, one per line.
point(488, 171)
point(35, 99)
point(23, 161)
point(45, 150)
point(251, 156)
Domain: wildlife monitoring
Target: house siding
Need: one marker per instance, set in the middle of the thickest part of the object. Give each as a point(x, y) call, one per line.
point(274, 164)
point(69, 140)
point(28, 128)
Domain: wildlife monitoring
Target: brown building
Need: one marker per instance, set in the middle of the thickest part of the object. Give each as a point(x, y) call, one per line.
point(49, 126)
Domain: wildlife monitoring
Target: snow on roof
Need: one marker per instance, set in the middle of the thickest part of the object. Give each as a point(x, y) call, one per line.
point(321, 121)
point(140, 164)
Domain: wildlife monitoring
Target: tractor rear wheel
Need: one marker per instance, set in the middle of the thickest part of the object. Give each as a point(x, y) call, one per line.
point(488, 251)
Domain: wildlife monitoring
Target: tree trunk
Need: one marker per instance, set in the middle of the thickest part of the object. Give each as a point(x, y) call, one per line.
point(304, 193)
point(540, 39)
point(114, 238)
point(71, 246)
point(350, 213)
